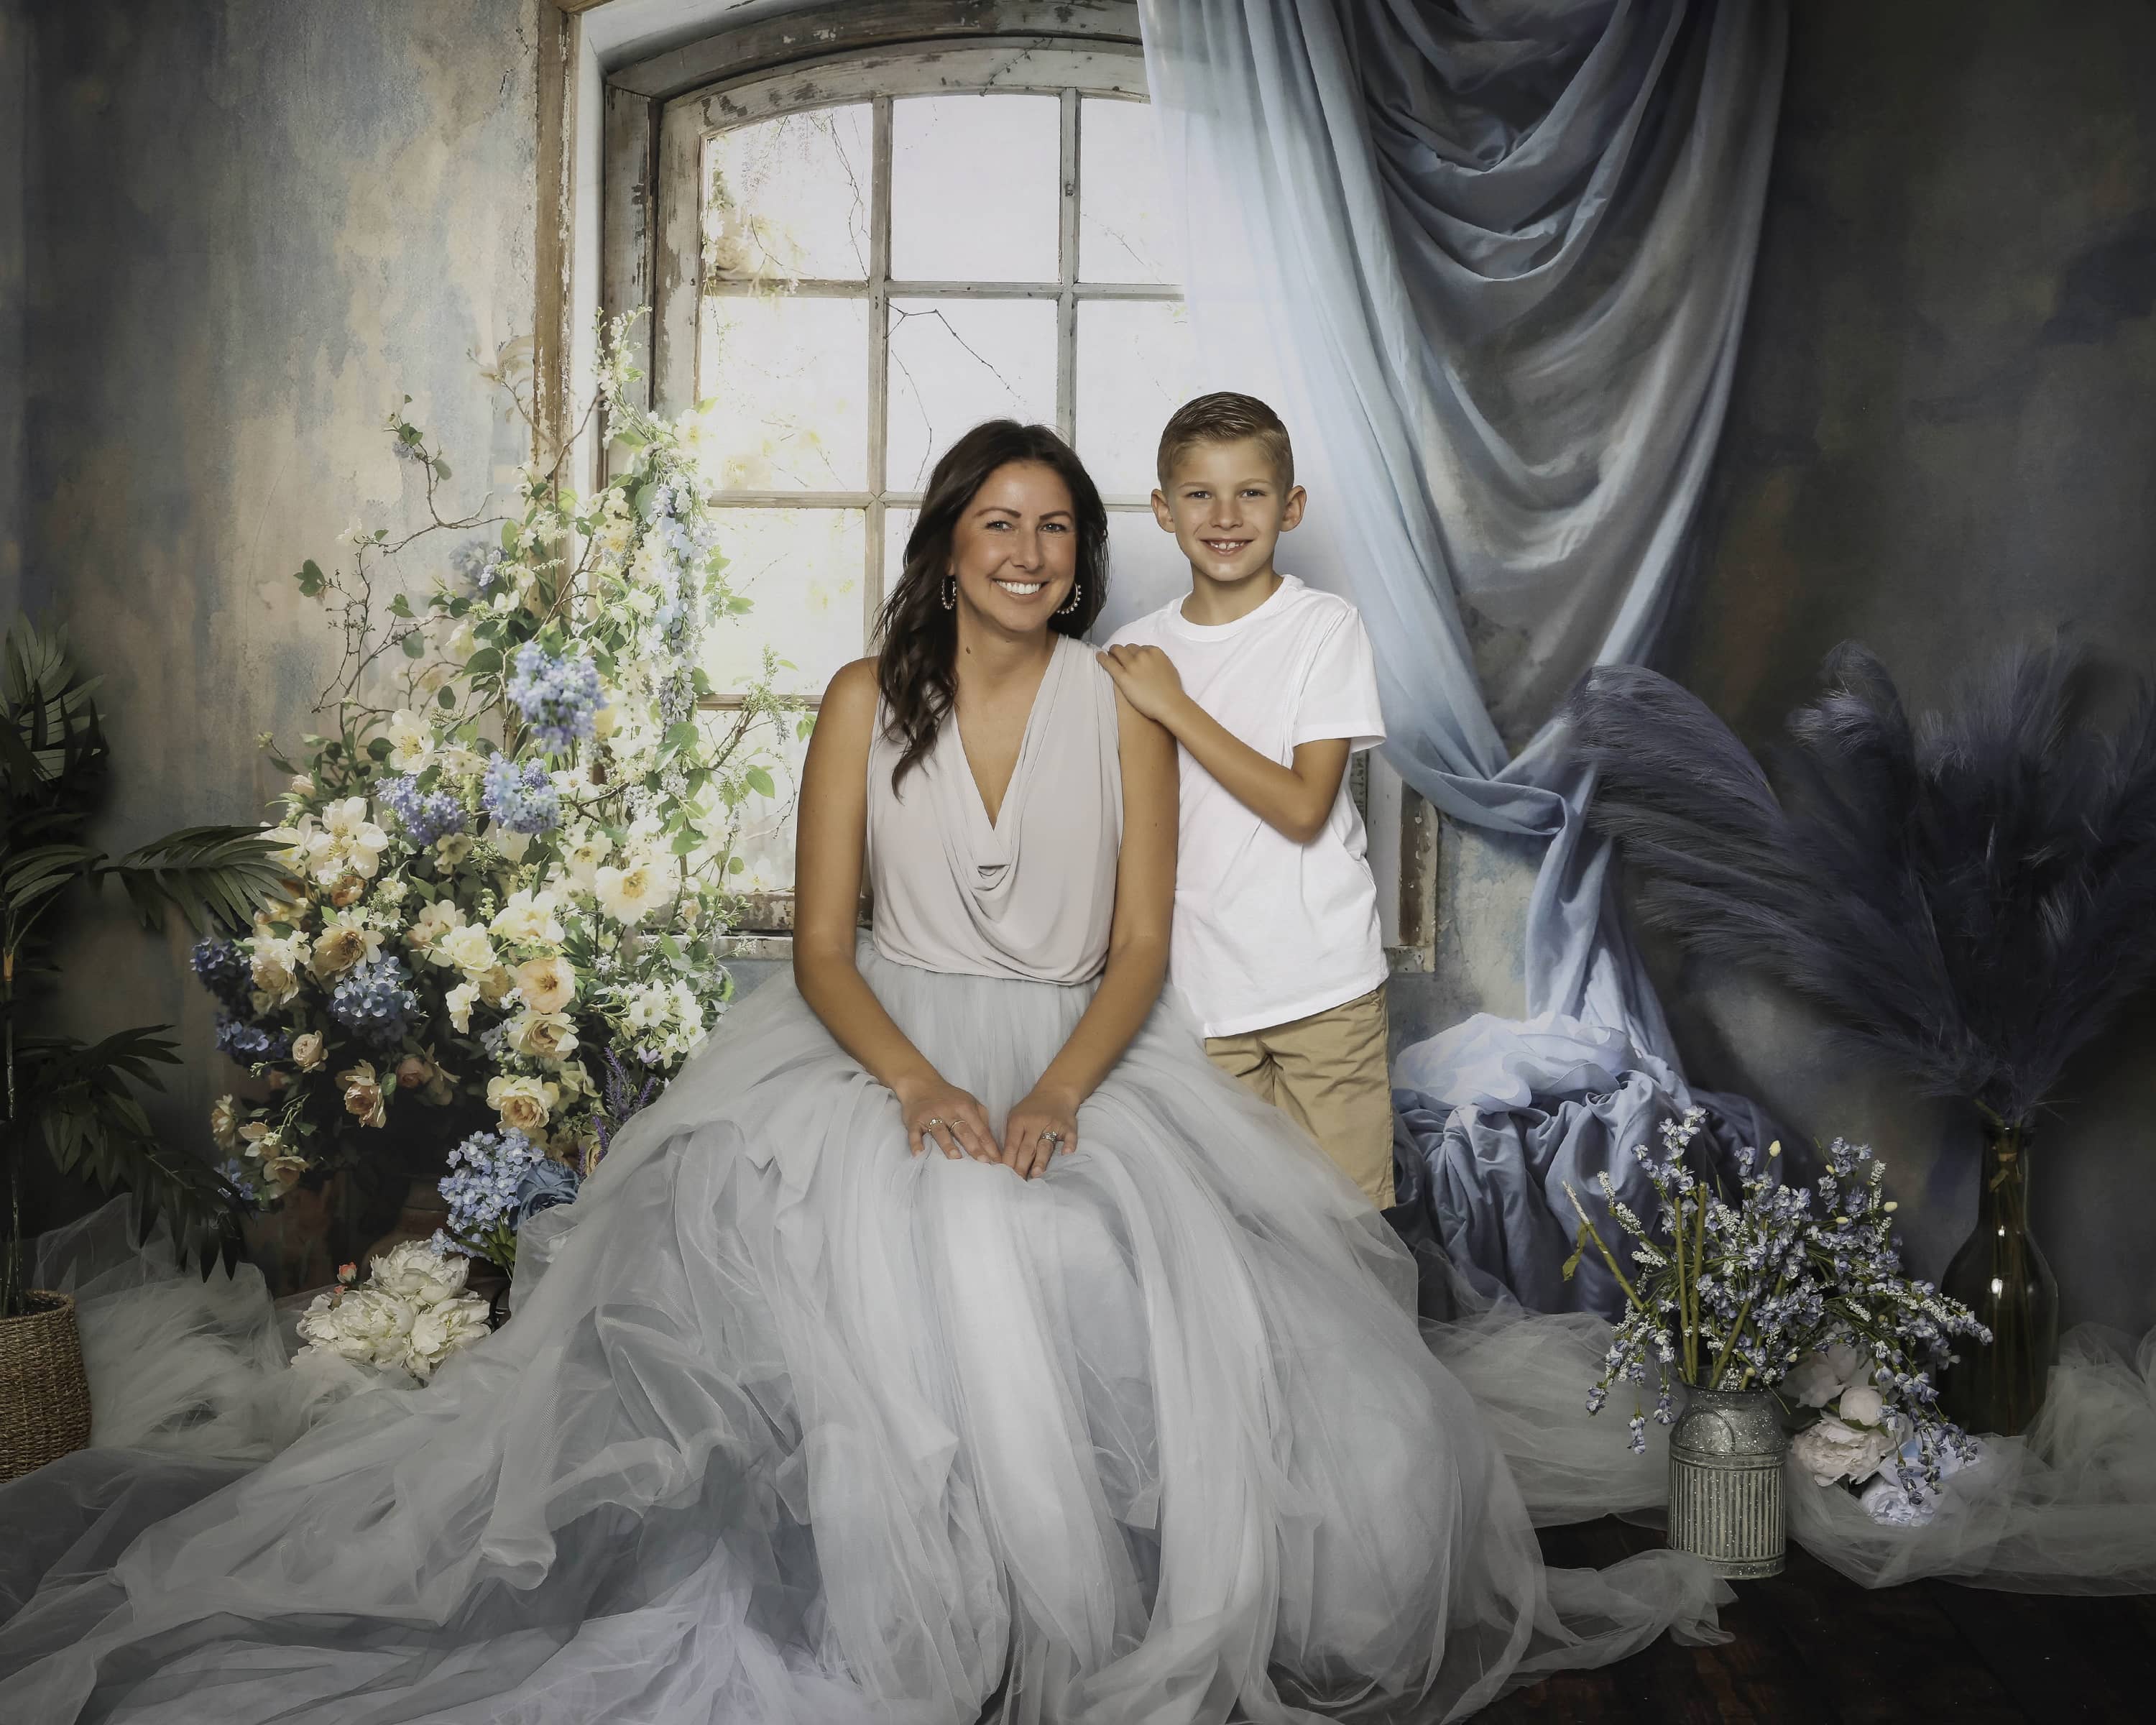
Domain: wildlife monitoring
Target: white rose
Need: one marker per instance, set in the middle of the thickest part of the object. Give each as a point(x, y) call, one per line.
point(459, 1000)
point(224, 1124)
point(302, 785)
point(1831, 1450)
point(1861, 1405)
point(528, 919)
point(468, 948)
point(411, 741)
point(413, 1269)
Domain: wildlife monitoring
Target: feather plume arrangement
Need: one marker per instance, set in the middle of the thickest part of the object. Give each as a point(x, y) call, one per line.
point(1972, 896)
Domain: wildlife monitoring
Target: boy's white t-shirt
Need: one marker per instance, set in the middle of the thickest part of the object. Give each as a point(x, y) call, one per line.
point(1268, 931)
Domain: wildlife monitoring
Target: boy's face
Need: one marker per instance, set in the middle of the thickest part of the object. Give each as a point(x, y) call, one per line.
point(1227, 508)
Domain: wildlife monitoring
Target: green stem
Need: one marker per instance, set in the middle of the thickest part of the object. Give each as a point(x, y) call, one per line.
point(1638, 1304)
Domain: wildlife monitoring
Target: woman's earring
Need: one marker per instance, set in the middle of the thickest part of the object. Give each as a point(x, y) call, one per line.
point(950, 592)
point(1070, 605)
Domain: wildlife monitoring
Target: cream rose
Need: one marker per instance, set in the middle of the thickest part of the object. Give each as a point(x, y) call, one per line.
point(524, 1104)
point(459, 1000)
point(363, 1094)
point(434, 920)
point(309, 1050)
point(496, 985)
point(224, 1124)
point(468, 948)
point(413, 1071)
point(547, 985)
point(1831, 1450)
point(274, 965)
point(543, 1035)
point(284, 1172)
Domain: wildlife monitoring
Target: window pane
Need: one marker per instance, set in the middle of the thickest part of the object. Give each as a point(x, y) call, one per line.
point(973, 189)
point(789, 198)
point(1134, 368)
point(956, 362)
point(763, 838)
point(1145, 570)
point(787, 381)
point(897, 523)
point(801, 569)
point(1124, 225)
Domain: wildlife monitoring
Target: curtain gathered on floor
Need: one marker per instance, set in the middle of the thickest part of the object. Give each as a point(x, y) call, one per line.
point(1492, 257)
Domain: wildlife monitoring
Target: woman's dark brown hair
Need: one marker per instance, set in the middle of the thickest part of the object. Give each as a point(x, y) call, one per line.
point(915, 664)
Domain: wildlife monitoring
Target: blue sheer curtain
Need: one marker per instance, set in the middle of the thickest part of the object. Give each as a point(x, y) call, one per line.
point(1492, 257)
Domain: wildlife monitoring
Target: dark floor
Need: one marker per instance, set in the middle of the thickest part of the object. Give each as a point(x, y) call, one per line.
point(1812, 1649)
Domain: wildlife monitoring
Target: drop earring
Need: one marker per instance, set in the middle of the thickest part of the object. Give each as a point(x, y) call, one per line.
point(1069, 608)
point(950, 592)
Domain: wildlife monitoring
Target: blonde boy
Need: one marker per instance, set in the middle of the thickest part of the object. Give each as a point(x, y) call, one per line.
point(1269, 686)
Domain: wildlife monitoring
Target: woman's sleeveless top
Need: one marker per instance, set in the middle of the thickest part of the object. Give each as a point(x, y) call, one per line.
point(1030, 895)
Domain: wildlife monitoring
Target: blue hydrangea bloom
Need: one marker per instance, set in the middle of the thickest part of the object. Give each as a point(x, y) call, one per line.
point(486, 1173)
point(221, 968)
point(521, 801)
point(247, 1043)
point(559, 698)
point(373, 1002)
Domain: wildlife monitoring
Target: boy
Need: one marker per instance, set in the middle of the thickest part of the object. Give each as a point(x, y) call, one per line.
point(1268, 686)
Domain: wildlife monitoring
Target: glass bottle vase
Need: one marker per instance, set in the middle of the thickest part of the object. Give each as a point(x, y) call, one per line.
point(2001, 1275)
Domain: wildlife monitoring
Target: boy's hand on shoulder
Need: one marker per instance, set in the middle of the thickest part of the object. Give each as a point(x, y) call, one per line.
point(1147, 678)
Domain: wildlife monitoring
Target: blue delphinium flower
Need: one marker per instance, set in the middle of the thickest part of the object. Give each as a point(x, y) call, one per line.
point(521, 801)
point(221, 968)
point(559, 698)
point(234, 1170)
point(245, 1043)
point(373, 1002)
point(424, 815)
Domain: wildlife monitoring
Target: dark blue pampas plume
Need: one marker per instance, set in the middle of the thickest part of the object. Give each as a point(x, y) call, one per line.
point(1972, 897)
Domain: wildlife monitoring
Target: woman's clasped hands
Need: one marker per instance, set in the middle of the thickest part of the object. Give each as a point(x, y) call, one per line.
point(940, 1116)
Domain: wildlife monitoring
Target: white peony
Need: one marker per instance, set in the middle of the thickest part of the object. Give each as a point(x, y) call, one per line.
point(411, 741)
point(1861, 1405)
point(439, 1331)
point(528, 919)
point(1831, 1450)
point(1821, 1376)
point(413, 1270)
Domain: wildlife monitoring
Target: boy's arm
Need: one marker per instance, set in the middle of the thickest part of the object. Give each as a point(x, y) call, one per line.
point(1295, 801)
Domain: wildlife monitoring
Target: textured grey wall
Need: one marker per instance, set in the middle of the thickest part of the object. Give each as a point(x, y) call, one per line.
point(251, 227)
point(14, 94)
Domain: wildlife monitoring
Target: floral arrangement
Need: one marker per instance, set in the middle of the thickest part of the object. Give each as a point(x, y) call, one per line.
point(411, 1314)
point(1745, 1295)
point(508, 865)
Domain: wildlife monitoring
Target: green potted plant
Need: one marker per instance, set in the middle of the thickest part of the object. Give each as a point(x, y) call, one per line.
point(77, 1099)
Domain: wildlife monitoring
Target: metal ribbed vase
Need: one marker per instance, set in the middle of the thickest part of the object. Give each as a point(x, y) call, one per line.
point(1726, 1482)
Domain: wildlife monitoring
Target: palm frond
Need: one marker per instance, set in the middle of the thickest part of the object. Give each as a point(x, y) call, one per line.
point(80, 1100)
point(212, 876)
point(1972, 896)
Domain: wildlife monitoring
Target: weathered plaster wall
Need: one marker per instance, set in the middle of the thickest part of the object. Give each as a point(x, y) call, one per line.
point(1942, 440)
point(252, 226)
point(14, 107)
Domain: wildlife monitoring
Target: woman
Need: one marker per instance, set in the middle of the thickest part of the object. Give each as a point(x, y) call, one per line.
point(952, 1340)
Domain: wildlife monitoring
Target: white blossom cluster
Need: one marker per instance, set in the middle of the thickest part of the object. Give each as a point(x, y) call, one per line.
point(410, 1315)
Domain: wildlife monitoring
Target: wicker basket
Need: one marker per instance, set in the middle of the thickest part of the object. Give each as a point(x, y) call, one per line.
point(44, 1396)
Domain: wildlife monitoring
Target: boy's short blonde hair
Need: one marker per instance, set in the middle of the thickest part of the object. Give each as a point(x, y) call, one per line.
point(1226, 418)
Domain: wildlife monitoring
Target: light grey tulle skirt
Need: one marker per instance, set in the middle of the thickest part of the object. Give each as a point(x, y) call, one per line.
point(792, 1425)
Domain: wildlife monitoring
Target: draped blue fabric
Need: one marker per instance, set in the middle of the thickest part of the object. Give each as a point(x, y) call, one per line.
point(1492, 257)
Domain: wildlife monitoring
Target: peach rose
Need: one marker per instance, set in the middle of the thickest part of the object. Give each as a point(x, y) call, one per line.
point(363, 1094)
point(547, 984)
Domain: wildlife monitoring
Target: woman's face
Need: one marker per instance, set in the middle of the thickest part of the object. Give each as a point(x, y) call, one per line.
point(1014, 551)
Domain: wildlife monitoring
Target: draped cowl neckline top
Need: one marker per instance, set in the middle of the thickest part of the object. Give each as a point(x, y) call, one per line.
point(1030, 894)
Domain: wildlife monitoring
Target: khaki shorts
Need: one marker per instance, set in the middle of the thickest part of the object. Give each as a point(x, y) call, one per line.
point(1330, 1072)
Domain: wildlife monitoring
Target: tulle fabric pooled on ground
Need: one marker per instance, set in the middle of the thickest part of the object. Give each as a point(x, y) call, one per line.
point(791, 1425)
